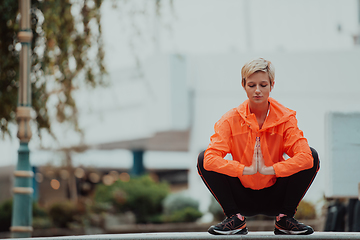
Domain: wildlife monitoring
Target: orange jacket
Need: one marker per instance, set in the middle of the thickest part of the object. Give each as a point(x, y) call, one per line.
point(236, 133)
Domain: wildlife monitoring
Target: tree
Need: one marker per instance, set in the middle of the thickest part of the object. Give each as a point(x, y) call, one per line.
point(66, 36)
point(67, 53)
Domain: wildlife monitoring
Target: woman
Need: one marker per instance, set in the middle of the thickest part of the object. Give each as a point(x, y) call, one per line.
point(258, 180)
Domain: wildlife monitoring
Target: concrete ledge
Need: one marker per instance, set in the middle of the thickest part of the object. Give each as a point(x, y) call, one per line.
point(205, 236)
point(253, 226)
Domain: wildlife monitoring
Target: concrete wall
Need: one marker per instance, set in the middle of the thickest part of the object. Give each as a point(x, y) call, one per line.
point(343, 148)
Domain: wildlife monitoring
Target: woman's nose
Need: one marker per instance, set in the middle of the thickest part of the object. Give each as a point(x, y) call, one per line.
point(257, 90)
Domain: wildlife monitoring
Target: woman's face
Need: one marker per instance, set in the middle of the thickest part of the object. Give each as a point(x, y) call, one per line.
point(258, 87)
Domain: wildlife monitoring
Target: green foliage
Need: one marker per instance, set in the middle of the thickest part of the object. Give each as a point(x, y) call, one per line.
point(38, 211)
point(141, 195)
point(5, 215)
point(9, 62)
point(305, 210)
point(178, 201)
point(62, 41)
point(181, 208)
point(99, 207)
point(40, 217)
point(41, 223)
point(188, 214)
point(63, 213)
point(67, 54)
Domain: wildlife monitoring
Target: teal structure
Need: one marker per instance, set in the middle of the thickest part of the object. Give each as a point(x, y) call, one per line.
point(138, 163)
point(22, 202)
point(21, 224)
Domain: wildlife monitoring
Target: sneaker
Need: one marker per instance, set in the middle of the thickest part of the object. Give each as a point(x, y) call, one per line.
point(231, 225)
point(289, 225)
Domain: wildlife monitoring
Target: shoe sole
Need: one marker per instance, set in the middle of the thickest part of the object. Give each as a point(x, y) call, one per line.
point(289, 232)
point(243, 231)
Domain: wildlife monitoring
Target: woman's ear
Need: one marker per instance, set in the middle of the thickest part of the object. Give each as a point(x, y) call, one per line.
point(243, 83)
point(272, 86)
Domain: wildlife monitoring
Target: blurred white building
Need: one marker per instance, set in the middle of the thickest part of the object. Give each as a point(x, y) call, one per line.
point(183, 97)
point(168, 108)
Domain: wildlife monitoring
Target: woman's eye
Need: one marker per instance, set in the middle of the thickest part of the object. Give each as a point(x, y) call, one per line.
point(264, 85)
point(251, 85)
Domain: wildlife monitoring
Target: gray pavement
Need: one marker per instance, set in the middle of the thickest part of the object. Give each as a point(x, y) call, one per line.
point(205, 236)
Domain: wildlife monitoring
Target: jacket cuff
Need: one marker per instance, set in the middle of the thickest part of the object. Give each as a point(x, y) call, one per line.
point(276, 169)
point(241, 169)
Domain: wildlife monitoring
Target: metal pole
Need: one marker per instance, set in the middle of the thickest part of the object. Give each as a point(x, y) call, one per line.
point(21, 225)
point(138, 167)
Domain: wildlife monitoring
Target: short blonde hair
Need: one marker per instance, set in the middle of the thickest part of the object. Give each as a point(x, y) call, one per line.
point(256, 65)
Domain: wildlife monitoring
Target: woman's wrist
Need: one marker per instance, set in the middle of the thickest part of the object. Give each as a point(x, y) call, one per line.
point(268, 171)
point(249, 170)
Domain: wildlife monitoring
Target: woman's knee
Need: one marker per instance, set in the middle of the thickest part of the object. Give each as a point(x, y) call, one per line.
point(315, 157)
point(201, 159)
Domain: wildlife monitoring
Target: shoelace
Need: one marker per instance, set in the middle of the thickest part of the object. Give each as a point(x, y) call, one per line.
point(227, 219)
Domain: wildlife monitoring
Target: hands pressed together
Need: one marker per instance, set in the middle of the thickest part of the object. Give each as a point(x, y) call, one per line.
point(258, 164)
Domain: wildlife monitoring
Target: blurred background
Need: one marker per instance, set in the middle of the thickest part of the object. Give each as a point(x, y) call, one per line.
point(125, 94)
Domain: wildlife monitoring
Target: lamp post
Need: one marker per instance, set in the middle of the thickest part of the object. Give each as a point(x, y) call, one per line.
point(21, 225)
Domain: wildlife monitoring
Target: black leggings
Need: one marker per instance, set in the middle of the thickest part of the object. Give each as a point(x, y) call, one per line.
point(282, 197)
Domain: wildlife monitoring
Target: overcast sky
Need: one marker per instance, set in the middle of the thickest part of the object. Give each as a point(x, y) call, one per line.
point(223, 26)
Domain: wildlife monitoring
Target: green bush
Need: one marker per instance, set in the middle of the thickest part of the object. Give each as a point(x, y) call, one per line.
point(39, 212)
point(100, 207)
point(188, 214)
point(5, 215)
point(181, 208)
point(178, 201)
point(63, 213)
point(40, 217)
point(41, 223)
point(305, 210)
point(141, 195)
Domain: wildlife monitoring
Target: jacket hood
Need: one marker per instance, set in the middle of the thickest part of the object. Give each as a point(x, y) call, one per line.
point(278, 114)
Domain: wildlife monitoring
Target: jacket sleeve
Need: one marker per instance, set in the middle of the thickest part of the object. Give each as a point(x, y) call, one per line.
point(220, 145)
point(297, 148)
